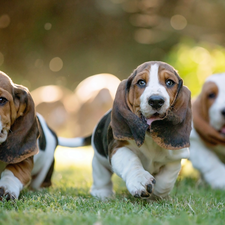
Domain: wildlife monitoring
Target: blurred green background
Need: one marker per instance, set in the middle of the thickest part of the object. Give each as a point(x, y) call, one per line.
point(62, 42)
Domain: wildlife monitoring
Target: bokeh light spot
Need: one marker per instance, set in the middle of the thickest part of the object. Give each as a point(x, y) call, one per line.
point(48, 26)
point(1, 58)
point(4, 21)
point(91, 85)
point(56, 64)
point(201, 55)
point(178, 22)
point(51, 93)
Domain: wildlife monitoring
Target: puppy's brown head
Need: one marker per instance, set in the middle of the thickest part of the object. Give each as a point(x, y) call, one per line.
point(153, 99)
point(209, 111)
point(18, 123)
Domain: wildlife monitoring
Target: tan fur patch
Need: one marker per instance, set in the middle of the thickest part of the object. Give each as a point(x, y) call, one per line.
point(136, 91)
point(5, 110)
point(201, 115)
point(166, 73)
point(22, 170)
point(115, 145)
point(203, 102)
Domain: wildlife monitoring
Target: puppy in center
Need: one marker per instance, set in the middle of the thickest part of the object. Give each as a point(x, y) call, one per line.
point(145, 135)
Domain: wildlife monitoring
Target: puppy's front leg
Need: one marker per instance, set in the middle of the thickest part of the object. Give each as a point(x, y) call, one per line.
point(128, 166)
point(208, 163)
point(15, 177)
point(166, 178)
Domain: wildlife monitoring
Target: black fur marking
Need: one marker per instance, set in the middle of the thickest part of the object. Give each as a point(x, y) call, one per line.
point(101, 140)
point(55, 135)
point(167, 131)
point(180, 85)
point(130, 80)
point(47, 181)
point(87, 141)
point(42, 138)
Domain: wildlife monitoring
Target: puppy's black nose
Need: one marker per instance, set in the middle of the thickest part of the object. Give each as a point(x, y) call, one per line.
point(156, 101)
point(223, 112)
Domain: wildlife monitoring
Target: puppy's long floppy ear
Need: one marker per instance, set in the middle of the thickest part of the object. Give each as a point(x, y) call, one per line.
point(125, 124)
point(21, 142)
point(210, 136)
point(173, 132)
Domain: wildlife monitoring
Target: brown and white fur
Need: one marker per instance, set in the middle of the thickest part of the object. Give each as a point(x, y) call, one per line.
point(27, 144)
point(145, 135)
point(207, 150)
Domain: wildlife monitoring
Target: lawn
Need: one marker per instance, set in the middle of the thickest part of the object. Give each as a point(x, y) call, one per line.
point(68, 201)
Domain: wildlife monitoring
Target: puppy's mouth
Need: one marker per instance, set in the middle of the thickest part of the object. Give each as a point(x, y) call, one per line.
point(222, 130)
point(152, 118)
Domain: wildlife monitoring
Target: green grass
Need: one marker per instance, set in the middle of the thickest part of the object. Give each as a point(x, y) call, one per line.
point(68, 202)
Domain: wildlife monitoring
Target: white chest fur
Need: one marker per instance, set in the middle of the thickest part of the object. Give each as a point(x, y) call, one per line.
point(153, 157)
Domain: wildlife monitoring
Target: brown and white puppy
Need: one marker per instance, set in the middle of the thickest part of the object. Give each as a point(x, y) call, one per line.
point(207, 150)
point(145, 135)
point(20, 129)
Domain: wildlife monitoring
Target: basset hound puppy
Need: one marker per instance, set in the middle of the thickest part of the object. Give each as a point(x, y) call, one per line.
point(21, 162)
point(207, 150)
point(145, 135)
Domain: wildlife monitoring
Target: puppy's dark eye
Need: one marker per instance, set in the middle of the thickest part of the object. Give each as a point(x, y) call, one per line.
point(212, 95)
point(169, 83)
point(3, 101)
point(141, 83)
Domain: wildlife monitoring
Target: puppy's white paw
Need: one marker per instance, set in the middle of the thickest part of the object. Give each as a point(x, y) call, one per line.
point(215, 178)
point(141, 185)
point(6, 194)
point(10, 186)
point(218, 183)
point(102, 194)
